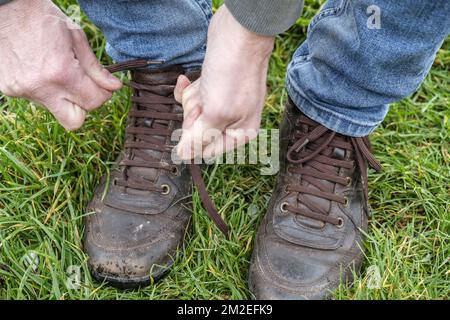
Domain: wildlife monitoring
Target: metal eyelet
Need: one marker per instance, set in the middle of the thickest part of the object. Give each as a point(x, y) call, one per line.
point(165, 189)
point(283, 207)
point(346, 202)
point(340, 224)
point(349, 181)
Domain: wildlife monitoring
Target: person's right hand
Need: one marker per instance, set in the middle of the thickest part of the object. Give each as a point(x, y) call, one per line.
point(46, 58)
point(222, 109)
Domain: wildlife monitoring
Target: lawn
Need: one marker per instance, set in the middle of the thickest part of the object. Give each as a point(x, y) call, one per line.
point(47, 177)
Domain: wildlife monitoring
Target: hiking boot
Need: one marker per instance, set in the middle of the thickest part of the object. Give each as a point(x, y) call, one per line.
point(311, 237)
point(141, 211)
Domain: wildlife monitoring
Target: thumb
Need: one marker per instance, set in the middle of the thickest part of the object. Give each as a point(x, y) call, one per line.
point(91, 65)
point(182, 83)
point(68, 114)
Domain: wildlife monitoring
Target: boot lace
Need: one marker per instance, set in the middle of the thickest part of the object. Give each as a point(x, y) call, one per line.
point(311, 156)
point(148, 129)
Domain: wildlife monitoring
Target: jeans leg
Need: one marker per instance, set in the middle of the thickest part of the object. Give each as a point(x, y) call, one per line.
point(361, 55)
point(172, 31)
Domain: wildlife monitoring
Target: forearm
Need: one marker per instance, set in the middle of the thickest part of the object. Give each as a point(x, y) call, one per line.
point(265, 17)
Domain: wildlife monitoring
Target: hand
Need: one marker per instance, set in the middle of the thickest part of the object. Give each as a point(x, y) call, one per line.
point(222, 109)
point(46, 59)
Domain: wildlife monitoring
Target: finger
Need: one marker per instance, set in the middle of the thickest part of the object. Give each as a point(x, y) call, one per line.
point(182, 83)
point(91, 65)
point(189, 143)
point(84, 92)
point(190, 98)
point(205, 129)
point(68, 114)
point(195, 137)
point(190, 117)
point(228, 141)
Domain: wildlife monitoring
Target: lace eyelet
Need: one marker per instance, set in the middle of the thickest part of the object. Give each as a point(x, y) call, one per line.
point(174, 170)
point(349, 181)
point(346, 202)
point(114, 182)
point(165, 189)
point(340, 224)
point(283, 207)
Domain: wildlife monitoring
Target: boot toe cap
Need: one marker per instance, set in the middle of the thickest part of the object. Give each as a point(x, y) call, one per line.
point(272, 282)
point(130, 249)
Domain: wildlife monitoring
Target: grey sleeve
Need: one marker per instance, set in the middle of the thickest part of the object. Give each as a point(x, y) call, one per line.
point(265, 17)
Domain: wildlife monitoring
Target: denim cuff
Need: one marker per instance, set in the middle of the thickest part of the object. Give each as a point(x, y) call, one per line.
point(188, 66)
point(334, 121)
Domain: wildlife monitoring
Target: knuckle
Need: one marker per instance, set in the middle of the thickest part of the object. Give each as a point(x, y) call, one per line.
point(14, 88)
point(57, 72)
point(226, 115)
point(57, 75)
point(8, 91)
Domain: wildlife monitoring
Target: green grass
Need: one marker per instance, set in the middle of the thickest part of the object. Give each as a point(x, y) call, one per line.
point(47, 177)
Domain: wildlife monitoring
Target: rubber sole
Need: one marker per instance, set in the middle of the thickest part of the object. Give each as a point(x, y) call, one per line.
point(129, 283)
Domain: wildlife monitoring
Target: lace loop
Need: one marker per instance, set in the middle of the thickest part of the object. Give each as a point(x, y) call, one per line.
point(315, 157)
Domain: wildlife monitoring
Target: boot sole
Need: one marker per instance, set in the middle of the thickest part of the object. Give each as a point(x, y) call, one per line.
point(129, 283)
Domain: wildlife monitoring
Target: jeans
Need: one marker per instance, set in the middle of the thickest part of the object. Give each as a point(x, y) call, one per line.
point(359, 55)
point(346, 73)
point(171, 31)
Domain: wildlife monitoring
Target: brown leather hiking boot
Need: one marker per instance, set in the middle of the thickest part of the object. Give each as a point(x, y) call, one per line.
point(310, 238)
point(141, 211)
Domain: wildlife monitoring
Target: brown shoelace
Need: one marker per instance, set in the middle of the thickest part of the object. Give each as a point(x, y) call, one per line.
point(157, 110)
point(312, 151)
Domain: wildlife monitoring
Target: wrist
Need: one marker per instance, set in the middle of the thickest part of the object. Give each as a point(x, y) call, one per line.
point(244, 41)
point(254, 44)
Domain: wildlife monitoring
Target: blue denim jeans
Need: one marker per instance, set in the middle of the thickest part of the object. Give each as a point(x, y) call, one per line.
point(352, 66)
point(359, 56)
point(171, 31)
